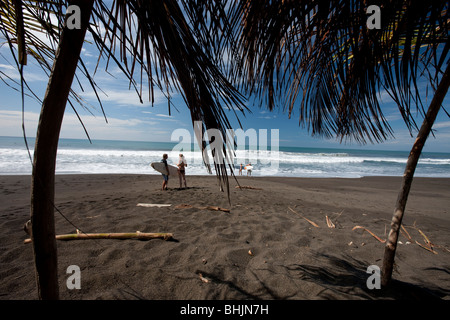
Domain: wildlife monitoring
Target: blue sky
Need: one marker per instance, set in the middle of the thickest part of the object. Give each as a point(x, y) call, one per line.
point(128, 119)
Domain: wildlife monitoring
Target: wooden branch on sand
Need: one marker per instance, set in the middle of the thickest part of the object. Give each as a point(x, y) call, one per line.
point(373, 234)
point(311, 222)
point(330, 223)
point(215, 208)
point(132, 235)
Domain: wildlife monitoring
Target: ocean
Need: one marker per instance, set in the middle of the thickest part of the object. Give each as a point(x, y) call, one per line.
point(78, 156)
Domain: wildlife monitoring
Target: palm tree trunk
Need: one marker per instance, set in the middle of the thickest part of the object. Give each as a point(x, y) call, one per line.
point(43, 177)
point(391, 244)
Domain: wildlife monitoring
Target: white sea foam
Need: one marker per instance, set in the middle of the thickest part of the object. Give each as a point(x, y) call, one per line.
point(128, 159)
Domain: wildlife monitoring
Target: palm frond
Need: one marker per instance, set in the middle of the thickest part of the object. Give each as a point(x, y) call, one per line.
point(318, 57)
point(158, 43)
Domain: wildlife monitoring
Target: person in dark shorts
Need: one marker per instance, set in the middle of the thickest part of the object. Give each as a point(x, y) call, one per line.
point(165, 176)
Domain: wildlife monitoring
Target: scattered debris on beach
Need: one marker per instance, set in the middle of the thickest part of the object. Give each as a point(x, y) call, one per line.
point(132, 235)
point(330, 224)
point(203, 278)
point(373, 234)
point(311, 222)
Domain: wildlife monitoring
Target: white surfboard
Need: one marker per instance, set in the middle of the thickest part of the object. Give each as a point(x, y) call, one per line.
point(160, 167)
point(248, 167)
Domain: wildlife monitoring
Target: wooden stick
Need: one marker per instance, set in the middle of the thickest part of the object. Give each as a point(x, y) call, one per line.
point(132, 235)
point(311, 222)
point(373, 234)
point(407, 233)
point(427, 241)
point(426, 248)
point(203, 278)
point(215, 208)
point(330, 224)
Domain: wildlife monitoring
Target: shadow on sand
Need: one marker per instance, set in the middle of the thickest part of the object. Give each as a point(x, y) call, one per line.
point(340, 278)
point(347, 277)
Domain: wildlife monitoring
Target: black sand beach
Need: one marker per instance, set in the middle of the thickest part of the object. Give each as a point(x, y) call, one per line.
point(263, 248)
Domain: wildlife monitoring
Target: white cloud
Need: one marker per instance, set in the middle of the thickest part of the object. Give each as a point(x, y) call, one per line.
point(115, 129)
point(404, 141)
point(441, 125)
point(7, 67)
point(86, 53)
point(384, 97)
point(11, 123)
point(267, 117)
point(29, 75)
point(123, 97)
point(160, 116)
point(163, 115)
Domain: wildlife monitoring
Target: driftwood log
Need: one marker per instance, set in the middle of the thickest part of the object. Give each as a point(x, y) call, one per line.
point(131, 235)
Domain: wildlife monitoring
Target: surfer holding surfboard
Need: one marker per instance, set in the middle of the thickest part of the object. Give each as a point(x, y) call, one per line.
point(167, 169)
point(165, 176)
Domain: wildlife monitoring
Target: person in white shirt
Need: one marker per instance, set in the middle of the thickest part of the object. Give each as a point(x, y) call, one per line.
point(182, 164)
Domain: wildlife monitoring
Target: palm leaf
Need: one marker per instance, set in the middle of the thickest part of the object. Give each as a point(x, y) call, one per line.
point(166, 45)
point(332, 67)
